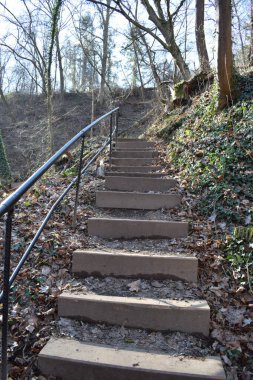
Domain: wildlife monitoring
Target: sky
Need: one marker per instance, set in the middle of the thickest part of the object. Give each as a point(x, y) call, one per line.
point(119, 26)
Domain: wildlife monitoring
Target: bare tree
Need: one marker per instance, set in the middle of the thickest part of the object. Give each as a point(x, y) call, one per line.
point(5, 172)
point(251, 36)
point(224, 56)
point(54, 26)
point(163, 18)
point(2, 70)
point(200, 36)
point(235, 7)
point(105, 17)
point(26, 49)
point(93, 52)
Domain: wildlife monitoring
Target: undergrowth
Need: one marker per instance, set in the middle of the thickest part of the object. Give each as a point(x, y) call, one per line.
point(212, 152)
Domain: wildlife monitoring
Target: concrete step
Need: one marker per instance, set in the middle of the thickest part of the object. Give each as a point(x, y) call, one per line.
point(134, 144)
point(143, 149)
point(139, 183)
point(69, 359)
point(136, 201)
point(136, 229)
point(134, 169)
point(132, 161)
point(134, 154)
point(190, 316)
point(121, 264)
point(130, 140)
point(134, 174)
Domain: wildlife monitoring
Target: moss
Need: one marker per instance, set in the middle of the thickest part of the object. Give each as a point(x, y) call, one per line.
point(179, 89)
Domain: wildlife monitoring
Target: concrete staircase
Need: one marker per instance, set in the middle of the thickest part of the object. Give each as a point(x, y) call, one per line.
point(130, 189)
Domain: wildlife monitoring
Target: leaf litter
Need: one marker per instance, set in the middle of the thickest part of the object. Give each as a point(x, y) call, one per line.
point(33, 311)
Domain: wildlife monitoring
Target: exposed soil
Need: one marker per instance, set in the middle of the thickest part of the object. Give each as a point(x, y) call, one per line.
point(25, 134)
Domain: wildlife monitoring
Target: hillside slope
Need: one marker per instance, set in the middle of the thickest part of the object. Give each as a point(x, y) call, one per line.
point(26, 135)
point(212, 153)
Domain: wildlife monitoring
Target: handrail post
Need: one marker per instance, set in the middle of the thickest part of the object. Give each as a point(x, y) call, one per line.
point(6, 290)
point(110, 157)
point(78, 182)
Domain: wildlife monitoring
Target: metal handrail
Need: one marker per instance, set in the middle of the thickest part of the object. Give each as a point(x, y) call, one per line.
point(14, 197)
point(7, 207)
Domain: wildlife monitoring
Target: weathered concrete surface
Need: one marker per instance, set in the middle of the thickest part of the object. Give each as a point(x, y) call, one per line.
point(134, 153)
point(146, 149)
point(134, 169)
point(134, 174)
point(132, 161)
point(69, 359)
point(121, 264)
point(136, 201)
point(134, 144)
point(133, 228)
point(139, 184)
point(160, 315)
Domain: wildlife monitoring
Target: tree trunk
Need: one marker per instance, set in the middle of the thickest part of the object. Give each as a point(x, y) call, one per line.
point(5, 172)
point(152, 64)
point(167, 30)
point(200, 37)
point(224, 56)
point(251, 36)
point(59, 57)
point(54, 23)
point(106, 21)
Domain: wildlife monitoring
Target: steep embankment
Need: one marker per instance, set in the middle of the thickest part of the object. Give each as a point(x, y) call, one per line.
point(212, 154)
point(25, 134)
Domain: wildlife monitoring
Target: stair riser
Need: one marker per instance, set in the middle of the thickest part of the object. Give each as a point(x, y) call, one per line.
point(131, 229)
point(134, 174)
point(131, 140)
point(134, 169)
point(87, 263)
point(139, 184)
point(132, 161)
point(134, 145)
point(133, 154)
point(72, 360)
point(136, 201)
point(118, 149)
point(149, 314)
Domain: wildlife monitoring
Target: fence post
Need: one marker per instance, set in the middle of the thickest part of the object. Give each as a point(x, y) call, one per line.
point(78, 181)
point(6, 290)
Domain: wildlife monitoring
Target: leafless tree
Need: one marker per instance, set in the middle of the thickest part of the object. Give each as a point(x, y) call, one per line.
point(163, 18)
point(251, 35)
point(200, 36)
point(224, 56)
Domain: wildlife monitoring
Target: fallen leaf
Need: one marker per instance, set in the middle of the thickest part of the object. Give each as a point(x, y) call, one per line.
point(134, 286)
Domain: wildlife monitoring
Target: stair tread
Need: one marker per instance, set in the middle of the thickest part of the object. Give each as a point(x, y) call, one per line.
point(134, 174)
point(169, 256)
point(133, 168)
point(69, 358)
point(165, 303)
